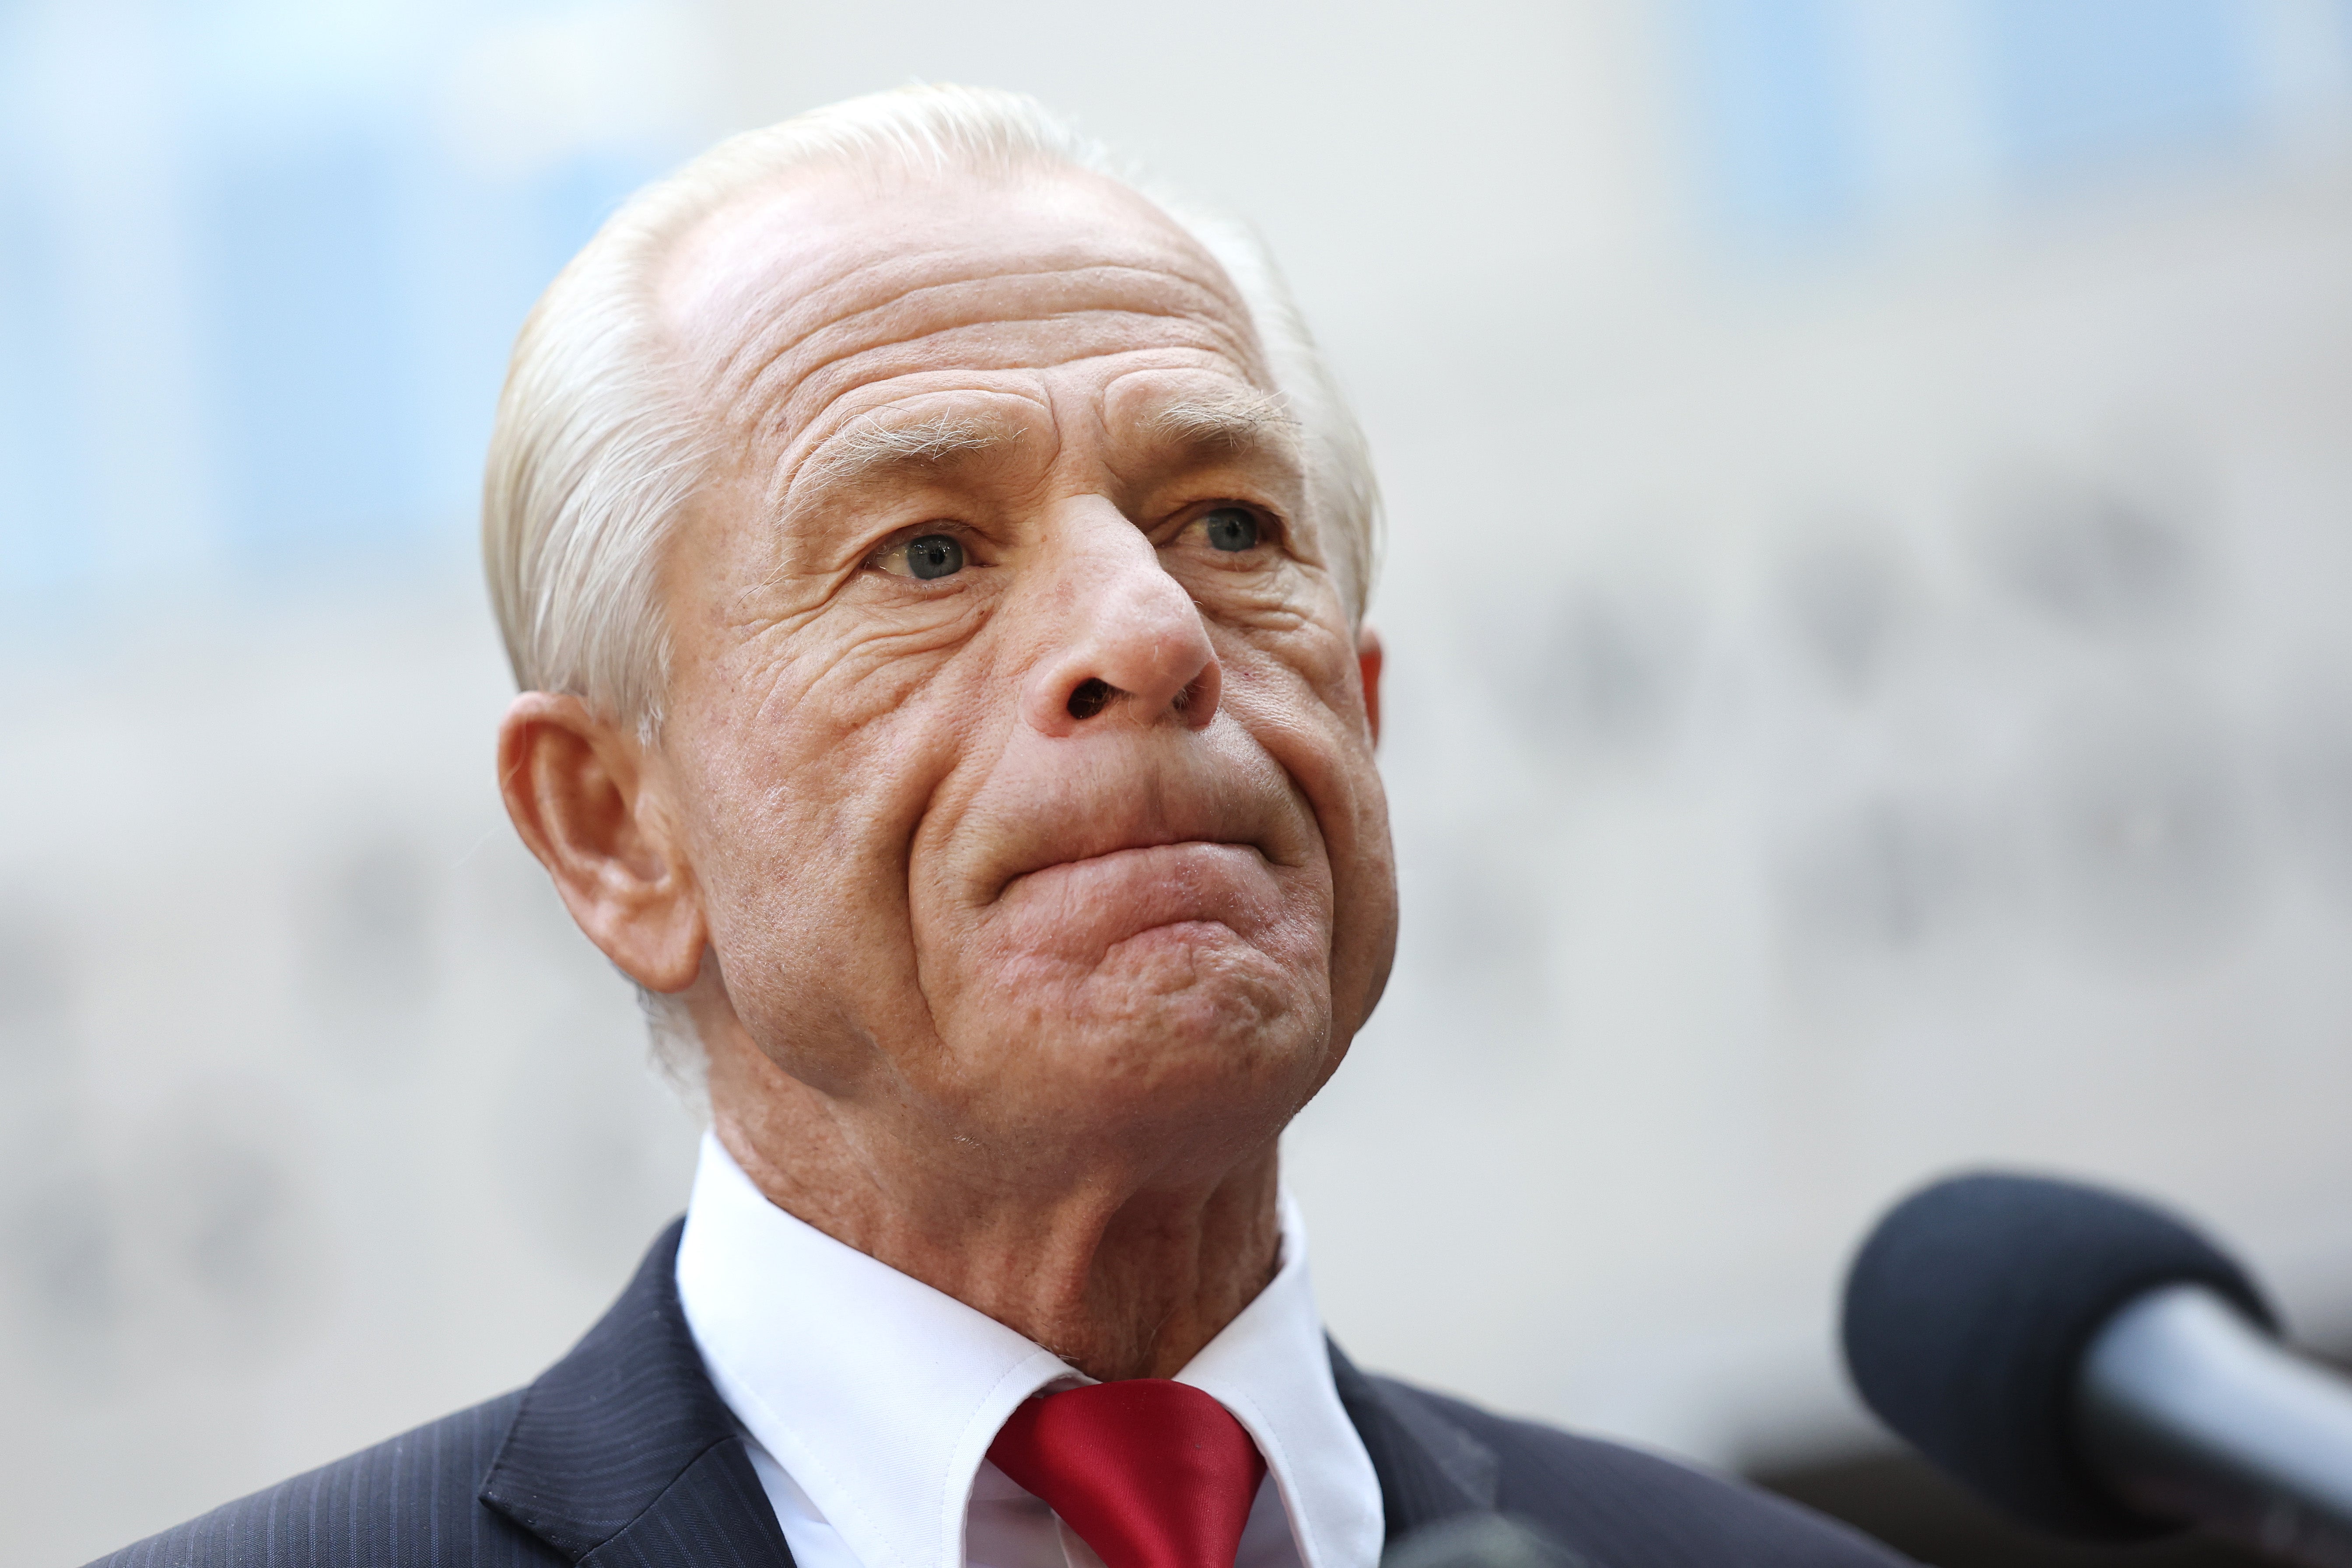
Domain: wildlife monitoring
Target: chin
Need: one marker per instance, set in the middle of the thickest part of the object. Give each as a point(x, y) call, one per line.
point(1183, 1010)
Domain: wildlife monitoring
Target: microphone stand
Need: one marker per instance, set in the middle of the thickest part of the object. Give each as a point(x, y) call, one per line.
point(2188, 1411)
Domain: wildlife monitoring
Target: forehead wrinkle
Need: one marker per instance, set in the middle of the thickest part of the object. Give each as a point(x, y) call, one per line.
point(744, 385)
point(826, 382)
point(793, 398)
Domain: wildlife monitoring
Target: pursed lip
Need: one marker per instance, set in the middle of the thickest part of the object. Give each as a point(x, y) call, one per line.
point(1094, 853)
point(1066, 812)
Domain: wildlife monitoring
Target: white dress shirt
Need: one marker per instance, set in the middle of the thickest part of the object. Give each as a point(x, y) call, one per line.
point(870, 1400)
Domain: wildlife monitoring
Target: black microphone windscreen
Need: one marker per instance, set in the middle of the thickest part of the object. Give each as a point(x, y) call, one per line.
point(1967, 1313)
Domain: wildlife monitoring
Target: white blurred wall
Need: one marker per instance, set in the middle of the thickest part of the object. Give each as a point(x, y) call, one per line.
point(1869, 500)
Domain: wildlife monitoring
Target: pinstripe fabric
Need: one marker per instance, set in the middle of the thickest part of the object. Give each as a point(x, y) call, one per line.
point(622, 1456)
point(1439, 1458)
point(627, 1418)
point(410, 1500)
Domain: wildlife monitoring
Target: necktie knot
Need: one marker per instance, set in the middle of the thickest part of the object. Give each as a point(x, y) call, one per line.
point(1152, 1473)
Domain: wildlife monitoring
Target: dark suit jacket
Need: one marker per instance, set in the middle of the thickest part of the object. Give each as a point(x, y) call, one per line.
point(622, 1456)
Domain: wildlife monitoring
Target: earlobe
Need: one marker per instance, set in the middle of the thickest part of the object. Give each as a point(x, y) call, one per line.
point(586, 799)
point(1369, 657)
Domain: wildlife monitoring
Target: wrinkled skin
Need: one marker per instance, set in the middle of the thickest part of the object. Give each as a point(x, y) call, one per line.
point(1020, 904)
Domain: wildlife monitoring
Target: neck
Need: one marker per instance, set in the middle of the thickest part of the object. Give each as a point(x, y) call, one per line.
point(1114, 1267)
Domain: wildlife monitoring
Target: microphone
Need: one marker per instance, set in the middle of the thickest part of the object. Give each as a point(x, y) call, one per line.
point(2098, 1368)
point(1482, 1540)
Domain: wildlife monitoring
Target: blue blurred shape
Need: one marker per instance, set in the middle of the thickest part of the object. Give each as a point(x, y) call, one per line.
point(44, 527)
point(311, 331)
point(2092, 87)
point(1776, 95)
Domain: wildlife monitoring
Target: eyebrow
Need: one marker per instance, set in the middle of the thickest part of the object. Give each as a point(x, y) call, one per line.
point(866, 453)
point(1229, 421)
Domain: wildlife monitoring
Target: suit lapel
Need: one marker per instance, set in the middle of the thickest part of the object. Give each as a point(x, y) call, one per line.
point(622, 1456)
point(1430, 1469)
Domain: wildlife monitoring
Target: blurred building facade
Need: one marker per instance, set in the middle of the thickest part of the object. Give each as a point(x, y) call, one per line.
point(1869, 499)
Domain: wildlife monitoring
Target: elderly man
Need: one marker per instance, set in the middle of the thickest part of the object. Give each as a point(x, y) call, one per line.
point(934, 571)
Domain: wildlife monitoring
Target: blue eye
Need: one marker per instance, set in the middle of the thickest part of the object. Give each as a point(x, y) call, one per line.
point(934, 555)
point(1229, 528)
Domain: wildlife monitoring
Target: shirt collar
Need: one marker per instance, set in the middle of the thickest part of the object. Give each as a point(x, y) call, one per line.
point(880, 1396)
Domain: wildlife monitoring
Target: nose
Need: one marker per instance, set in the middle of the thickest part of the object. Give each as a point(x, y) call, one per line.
point(1127, 645)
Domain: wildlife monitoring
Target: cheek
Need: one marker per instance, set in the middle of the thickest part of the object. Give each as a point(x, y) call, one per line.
point(1301, 693)
point(853, 668)
point(804, 798)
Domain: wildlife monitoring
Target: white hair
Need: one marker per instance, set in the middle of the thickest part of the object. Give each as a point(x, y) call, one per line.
point(598, 446)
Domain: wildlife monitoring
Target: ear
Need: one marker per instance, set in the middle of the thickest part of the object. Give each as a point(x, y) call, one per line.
point(590, 803)
point(1367, 661)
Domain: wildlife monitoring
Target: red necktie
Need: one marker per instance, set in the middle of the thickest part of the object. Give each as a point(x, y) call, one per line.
point(1149, 1472)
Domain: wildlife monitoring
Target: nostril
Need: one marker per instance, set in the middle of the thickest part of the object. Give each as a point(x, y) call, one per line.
point(1091, 698)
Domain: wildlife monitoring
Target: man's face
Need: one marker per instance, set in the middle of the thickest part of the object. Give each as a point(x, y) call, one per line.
point(1015, 725)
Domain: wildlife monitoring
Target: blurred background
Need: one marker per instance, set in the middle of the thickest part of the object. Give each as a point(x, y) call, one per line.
point(1871, 518)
